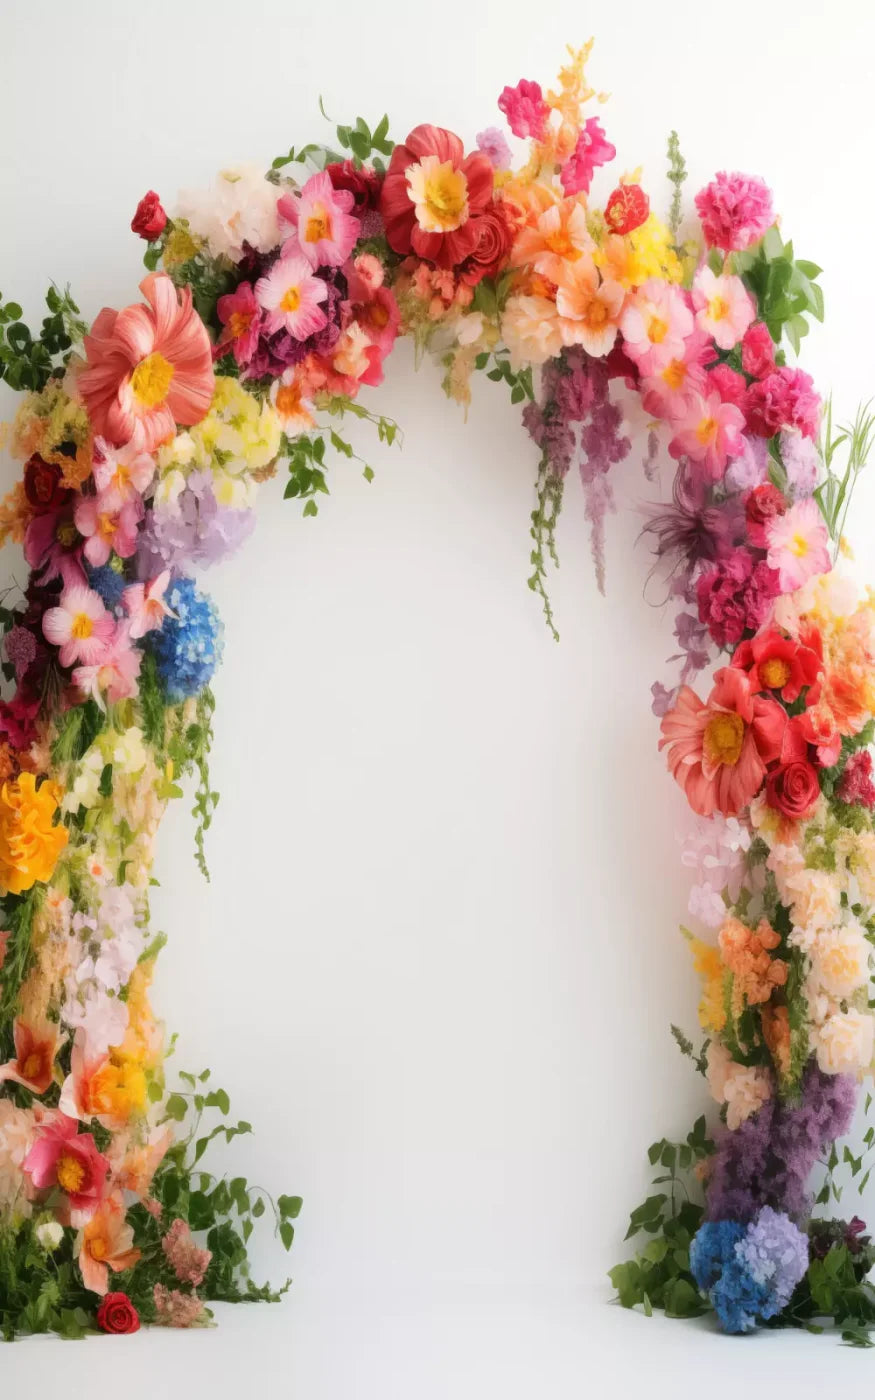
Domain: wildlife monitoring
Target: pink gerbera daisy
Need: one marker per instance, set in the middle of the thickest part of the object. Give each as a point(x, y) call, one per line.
point(323, 230)
point(291, 297)
point(80, 626)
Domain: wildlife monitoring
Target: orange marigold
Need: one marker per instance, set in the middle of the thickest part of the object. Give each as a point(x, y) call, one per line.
point(30, 843)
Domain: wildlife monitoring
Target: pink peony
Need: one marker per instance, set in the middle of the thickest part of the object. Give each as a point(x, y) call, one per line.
point(723, 305)
point(735, 211)
point(592, 149)
point(525, 109)
point(709, 434)
point(735, 596)
point(855, 784)
point(64, 1158)
point(80, 626)
point(758, 351)
point(784, 399)
point(323, 231)
point(798, 544)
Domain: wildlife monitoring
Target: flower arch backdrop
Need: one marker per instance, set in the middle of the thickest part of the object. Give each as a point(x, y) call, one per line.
point(268, 302)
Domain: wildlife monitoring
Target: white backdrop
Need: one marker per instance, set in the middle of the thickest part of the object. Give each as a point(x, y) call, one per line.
point(438, 958)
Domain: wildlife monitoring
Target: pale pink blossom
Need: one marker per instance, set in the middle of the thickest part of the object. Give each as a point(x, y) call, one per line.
point(121, 473)
point(292, 298)
point(709, 434)
point(798, 544)
point(723, 305)
point(144, 603)
point(656, 322)
point(114, 676)
point(80, 626)
point(108, 526)
point(324, 232)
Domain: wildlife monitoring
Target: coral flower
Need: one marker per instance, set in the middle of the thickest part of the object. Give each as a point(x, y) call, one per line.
point(774, 661)
point(709, 433)
point(98, 1088)
point(80, 626)
point(107, 1243)
point(144, 603)
point(108, 526)
point(151, 365)
point(589, 310)
point(292, 297)
point(30, 843)
point(65, 1158)
point(293, 410)
point(35, 1049)
point(798, 544)
point(432, 195)
point(656, 323)
point(718, 751)
point(560, 236)
point(323, 230)
point(724, 307)
point(240, 315)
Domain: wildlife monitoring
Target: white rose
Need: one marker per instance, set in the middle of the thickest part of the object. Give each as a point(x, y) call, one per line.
point(845, 1043)
point(50, 1234)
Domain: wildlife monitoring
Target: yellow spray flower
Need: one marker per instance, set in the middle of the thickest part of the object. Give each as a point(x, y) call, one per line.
point(708, 964)
point(30, 843)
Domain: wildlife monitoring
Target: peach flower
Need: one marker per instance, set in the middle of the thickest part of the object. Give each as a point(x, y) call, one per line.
point(106, 1242)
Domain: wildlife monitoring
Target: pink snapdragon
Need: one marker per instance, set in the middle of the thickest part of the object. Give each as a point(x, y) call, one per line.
point(723, 305)
point(144, 603)
point(80, 626)
point(798, 544)
point(736, 210)
point(323, 231)
point(656, 323)
point(291, 296)
point(108, 526)
point(525, 109)
point(592, 149)
point(709, 434)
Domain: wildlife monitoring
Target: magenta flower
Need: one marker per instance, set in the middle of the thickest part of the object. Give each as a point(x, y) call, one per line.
point(735, 211)
point(592, 149)
point(735, 595)
point(324, 232)
point(108, 526)
point(240, 315)
point(65, 1158)
point(785, 399)
point(525, 109)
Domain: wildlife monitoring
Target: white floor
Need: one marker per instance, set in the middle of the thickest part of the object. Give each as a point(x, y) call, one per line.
point(439, 1352)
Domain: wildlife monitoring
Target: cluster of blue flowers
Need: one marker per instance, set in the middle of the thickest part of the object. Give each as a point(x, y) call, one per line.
point(188, 648)
point(749, 1272)
point(109, 584)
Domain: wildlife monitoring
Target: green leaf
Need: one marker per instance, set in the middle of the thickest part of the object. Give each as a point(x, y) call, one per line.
point(176, 1107)
point(290, 1207)
point(287, 1234)
point(217, 1098)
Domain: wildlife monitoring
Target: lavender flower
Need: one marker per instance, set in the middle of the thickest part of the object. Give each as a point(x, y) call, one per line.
point(801, 463)
point(195, 530)
point(749, 1274)
point(493, 144)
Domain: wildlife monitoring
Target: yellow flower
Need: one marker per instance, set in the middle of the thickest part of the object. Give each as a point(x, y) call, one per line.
point(645, 252)
point(708, 964)
point(29, 842)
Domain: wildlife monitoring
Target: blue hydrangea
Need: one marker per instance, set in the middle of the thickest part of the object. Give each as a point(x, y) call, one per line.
point(188, 648)
point(108, 584)
point(749, 1272)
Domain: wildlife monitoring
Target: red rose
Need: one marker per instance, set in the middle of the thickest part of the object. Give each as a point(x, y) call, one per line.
point(363, 185)
point(793, 789)
point(118, 1314)
point(757, 351)
point(150, 217)
point(493, 246)
point(763, 504)
point(627, 209)
point(42, 483)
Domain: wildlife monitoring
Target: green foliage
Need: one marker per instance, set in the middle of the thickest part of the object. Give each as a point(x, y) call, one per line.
point(17, 915)
point(306, 454)
point(39, 1292)
point(786, 289)
point(835, 493)
point(518, 381)
point(543, 533)
point(677, 174)
point(28, 361)
point(362, 143)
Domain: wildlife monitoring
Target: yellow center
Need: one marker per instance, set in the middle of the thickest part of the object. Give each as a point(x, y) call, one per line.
point(657, 330)
point(150, 381)
point(775, 673)
point(718, 308)
point(707, 431)
point(560, 243)
point(288, 400)
point(675, 374)
point(97, 1249)
point(82, 627)
point(291, 299)
point(724, 736)
point(378, 316)
point(106, 526)
point(239, 323)
point(318, 226)
point(596, 314)
point(71, 1173)
point(798, 546)
point(439, 193)
point(32, 1065)
point(66, 534)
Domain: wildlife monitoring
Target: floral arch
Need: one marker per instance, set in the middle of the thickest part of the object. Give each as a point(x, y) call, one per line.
point(268, 302)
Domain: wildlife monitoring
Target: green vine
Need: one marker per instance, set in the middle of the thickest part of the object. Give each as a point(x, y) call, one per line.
point(543, 532)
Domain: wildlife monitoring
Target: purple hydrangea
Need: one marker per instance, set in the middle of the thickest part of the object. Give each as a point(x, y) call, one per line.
point(195, 530)
point(749, 1274)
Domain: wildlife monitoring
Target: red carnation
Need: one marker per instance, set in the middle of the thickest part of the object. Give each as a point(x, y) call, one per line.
point(855, 784)
point(793, 789)
point(763, 504)
point(363, 184)
point(42, 484)
point(117, 1314)
point(493, 248)
point(150, 218)
point(627, 209)
point(757, 351)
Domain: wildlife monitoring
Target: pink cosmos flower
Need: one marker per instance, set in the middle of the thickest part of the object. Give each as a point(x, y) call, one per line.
point(709, 433)
point(151, 365)
point(144, 603)
point(80, 626)
point(656, 323)
point(592, 149)
point(121, 473)
point(525, 109)
point(735, 211)
point(114, 676)
point(240, 315)
point(724, 307)
point(668, 392)
point(65, 1158)
point(291, 296)
point(108, 526)
point(323, 230)
point(798, 544)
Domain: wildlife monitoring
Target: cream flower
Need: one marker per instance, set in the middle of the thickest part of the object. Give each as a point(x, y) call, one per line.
point(815, 899)
point(531, 330)
point(840, 960)
point(240, 208)
point(744, 1089)
point(845, 1042)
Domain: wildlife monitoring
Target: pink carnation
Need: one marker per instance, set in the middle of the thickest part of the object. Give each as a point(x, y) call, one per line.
point(784, 399)
point(758, 351)
point(525, 109)
point(855, 784)
point(728, 383)
point(735, 211)
point(735, 596)
point(592, 149)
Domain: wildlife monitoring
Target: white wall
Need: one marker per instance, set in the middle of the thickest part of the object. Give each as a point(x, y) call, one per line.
point(438, 958)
